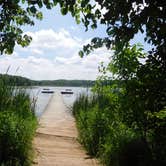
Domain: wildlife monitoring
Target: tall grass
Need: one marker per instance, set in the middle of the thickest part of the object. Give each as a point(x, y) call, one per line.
point(17, 125)
point(103, 134)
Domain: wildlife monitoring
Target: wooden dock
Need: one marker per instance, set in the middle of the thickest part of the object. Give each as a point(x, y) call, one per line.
point(56, 138)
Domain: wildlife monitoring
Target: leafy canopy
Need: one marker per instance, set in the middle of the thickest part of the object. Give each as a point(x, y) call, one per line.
point(140, 92)
point(123, 18)
point(14, 14)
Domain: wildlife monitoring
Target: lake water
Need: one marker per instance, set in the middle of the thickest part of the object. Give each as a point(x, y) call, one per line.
point(42, 99)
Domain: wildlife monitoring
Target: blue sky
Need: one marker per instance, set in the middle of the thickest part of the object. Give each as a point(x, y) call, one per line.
point(53, 53)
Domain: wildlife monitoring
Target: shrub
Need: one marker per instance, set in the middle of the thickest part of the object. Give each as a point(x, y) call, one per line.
point(17, 126)
point(16, 136)
point(116, 140)
point(105, 136)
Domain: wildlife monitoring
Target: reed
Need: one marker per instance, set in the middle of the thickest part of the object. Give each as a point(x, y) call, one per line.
point(100, 130)
point(17, 125)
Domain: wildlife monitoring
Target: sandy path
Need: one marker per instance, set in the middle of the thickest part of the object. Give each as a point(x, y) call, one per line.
point(55, 142)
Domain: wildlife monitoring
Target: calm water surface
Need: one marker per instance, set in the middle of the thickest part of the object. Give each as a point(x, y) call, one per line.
point(42, 99)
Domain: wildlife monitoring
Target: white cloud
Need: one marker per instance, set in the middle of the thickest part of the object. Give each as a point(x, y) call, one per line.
point(51, 43)
point(60, 68)
point(49, 39)
point(54, 55)
point(37, 51)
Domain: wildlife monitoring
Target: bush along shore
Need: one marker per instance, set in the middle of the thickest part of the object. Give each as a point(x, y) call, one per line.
point(17, 126)
point(124, 124)
point(106, 136)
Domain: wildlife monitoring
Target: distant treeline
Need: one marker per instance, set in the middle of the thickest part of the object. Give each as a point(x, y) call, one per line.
point(62, 82)
point(15, 80)
point(22, 81)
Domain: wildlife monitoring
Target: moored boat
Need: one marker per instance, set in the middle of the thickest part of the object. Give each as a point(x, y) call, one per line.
point(46, 90)
point(67, 91)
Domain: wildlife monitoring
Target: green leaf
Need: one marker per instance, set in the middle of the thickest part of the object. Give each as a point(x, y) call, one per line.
point(81, 54)
point(40, 4)
point(83, 3)
point(64, 10)
point(94, 26)
point(55, 2)
point(33, 9)
point(77, 17)
point(49, 5)
point(39, 15)
point(161, 114)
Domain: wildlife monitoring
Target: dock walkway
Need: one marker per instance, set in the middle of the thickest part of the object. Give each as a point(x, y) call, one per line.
point(56, 138)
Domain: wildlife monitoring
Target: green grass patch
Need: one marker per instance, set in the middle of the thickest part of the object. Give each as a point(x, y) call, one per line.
point(104, 135)
point(17, 126)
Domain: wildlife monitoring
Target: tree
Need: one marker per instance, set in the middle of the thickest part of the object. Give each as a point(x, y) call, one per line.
point(145, 84)
point(14, 14)
point(122, 25)
point(126, 18)
point(140, 90)
point(12, 17)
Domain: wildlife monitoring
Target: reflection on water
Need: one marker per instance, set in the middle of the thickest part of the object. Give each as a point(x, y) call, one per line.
point(42, 99)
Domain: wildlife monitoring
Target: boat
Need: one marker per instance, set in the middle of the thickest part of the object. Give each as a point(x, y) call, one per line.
point(46, 90)
point(67, 91)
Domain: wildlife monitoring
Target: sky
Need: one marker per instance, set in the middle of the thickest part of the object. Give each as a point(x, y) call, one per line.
point(53, 52)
